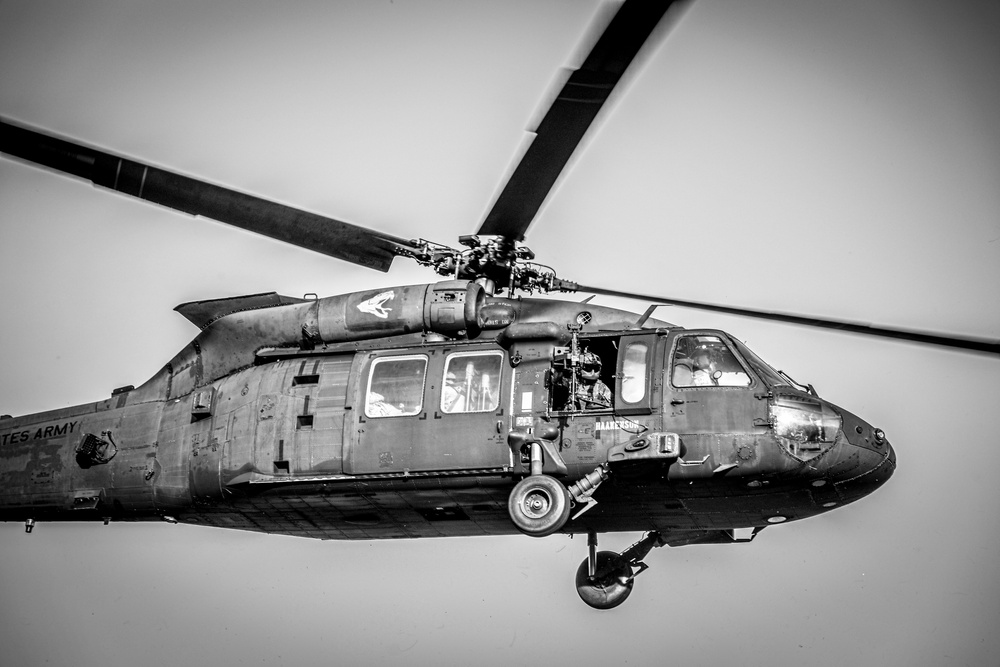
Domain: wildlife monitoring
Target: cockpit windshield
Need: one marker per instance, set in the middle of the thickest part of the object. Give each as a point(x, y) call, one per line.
point(764, 370)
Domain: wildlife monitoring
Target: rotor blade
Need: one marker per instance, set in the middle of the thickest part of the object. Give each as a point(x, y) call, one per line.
point(567, 120)
point(307, 230)
point(976, 344)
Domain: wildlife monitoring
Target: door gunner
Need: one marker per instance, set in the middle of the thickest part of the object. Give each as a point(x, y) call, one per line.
point(591, 393)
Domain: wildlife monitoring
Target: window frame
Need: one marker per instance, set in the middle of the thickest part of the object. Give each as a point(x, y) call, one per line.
point(730, 346)
point(371, 374)
point(652, 391)
point(472, 353)
point(623, 394)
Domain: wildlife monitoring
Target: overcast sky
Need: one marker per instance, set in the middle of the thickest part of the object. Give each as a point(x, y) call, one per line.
point(836, 159)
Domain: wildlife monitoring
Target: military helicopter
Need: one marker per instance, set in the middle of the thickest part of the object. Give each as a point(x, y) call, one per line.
point(444, 409)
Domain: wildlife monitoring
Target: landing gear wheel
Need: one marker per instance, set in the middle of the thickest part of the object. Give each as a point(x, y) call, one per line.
point(607, 591)
point(539, 505)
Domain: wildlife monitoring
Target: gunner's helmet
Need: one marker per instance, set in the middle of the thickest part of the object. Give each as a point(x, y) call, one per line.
point(590, 367)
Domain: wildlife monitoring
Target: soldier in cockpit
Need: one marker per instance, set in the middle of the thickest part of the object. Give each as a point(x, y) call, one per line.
point(703, 368)
point(705, 361)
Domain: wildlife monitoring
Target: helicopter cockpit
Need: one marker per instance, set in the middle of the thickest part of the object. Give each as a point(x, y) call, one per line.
point(702, 361)
point(804, 424)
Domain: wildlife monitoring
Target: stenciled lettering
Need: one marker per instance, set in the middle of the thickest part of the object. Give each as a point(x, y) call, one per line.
point(14, 438)
point(41, 433)
point(623, 424)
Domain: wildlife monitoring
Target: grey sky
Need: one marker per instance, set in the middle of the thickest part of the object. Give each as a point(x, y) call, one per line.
point(838, 159)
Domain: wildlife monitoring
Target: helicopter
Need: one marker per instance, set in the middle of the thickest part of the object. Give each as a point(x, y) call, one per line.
point(512, 353)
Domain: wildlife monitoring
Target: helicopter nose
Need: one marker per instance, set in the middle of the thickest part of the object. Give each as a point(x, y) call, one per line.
point(886, 456)
point(876, 466)
point(872, 458)
point(884, 468)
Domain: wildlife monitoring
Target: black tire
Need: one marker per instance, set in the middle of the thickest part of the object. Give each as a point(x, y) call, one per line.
point(539, 505)
point(608, 591)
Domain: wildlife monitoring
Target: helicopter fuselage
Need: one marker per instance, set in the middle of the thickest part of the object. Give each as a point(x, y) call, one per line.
point(412, 412)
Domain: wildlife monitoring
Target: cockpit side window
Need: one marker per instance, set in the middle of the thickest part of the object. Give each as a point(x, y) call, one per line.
point(396, 386)
point(471, 382)
point(702, 360)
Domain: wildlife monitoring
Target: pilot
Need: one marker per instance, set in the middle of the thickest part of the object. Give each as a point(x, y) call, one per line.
point(591, 393)
point(703, 368)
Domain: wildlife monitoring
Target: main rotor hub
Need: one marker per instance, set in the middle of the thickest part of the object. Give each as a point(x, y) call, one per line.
point(492, 261)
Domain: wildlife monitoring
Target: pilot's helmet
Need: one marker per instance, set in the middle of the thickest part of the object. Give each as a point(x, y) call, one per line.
point(703, 350)
point(590, 366)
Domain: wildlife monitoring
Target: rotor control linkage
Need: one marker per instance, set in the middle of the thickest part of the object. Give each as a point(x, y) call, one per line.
point(494, 260)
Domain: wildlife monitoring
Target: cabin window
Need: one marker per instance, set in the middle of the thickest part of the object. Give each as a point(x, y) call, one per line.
point(706, 361)
point(396, 386)
point(471, 382)
point(634, 372)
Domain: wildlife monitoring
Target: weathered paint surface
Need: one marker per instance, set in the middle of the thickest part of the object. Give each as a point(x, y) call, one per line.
point(260, 425)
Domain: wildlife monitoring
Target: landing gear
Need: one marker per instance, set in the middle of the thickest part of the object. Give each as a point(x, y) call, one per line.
point(604, 579)
point(539, 505)
point(610, 587)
